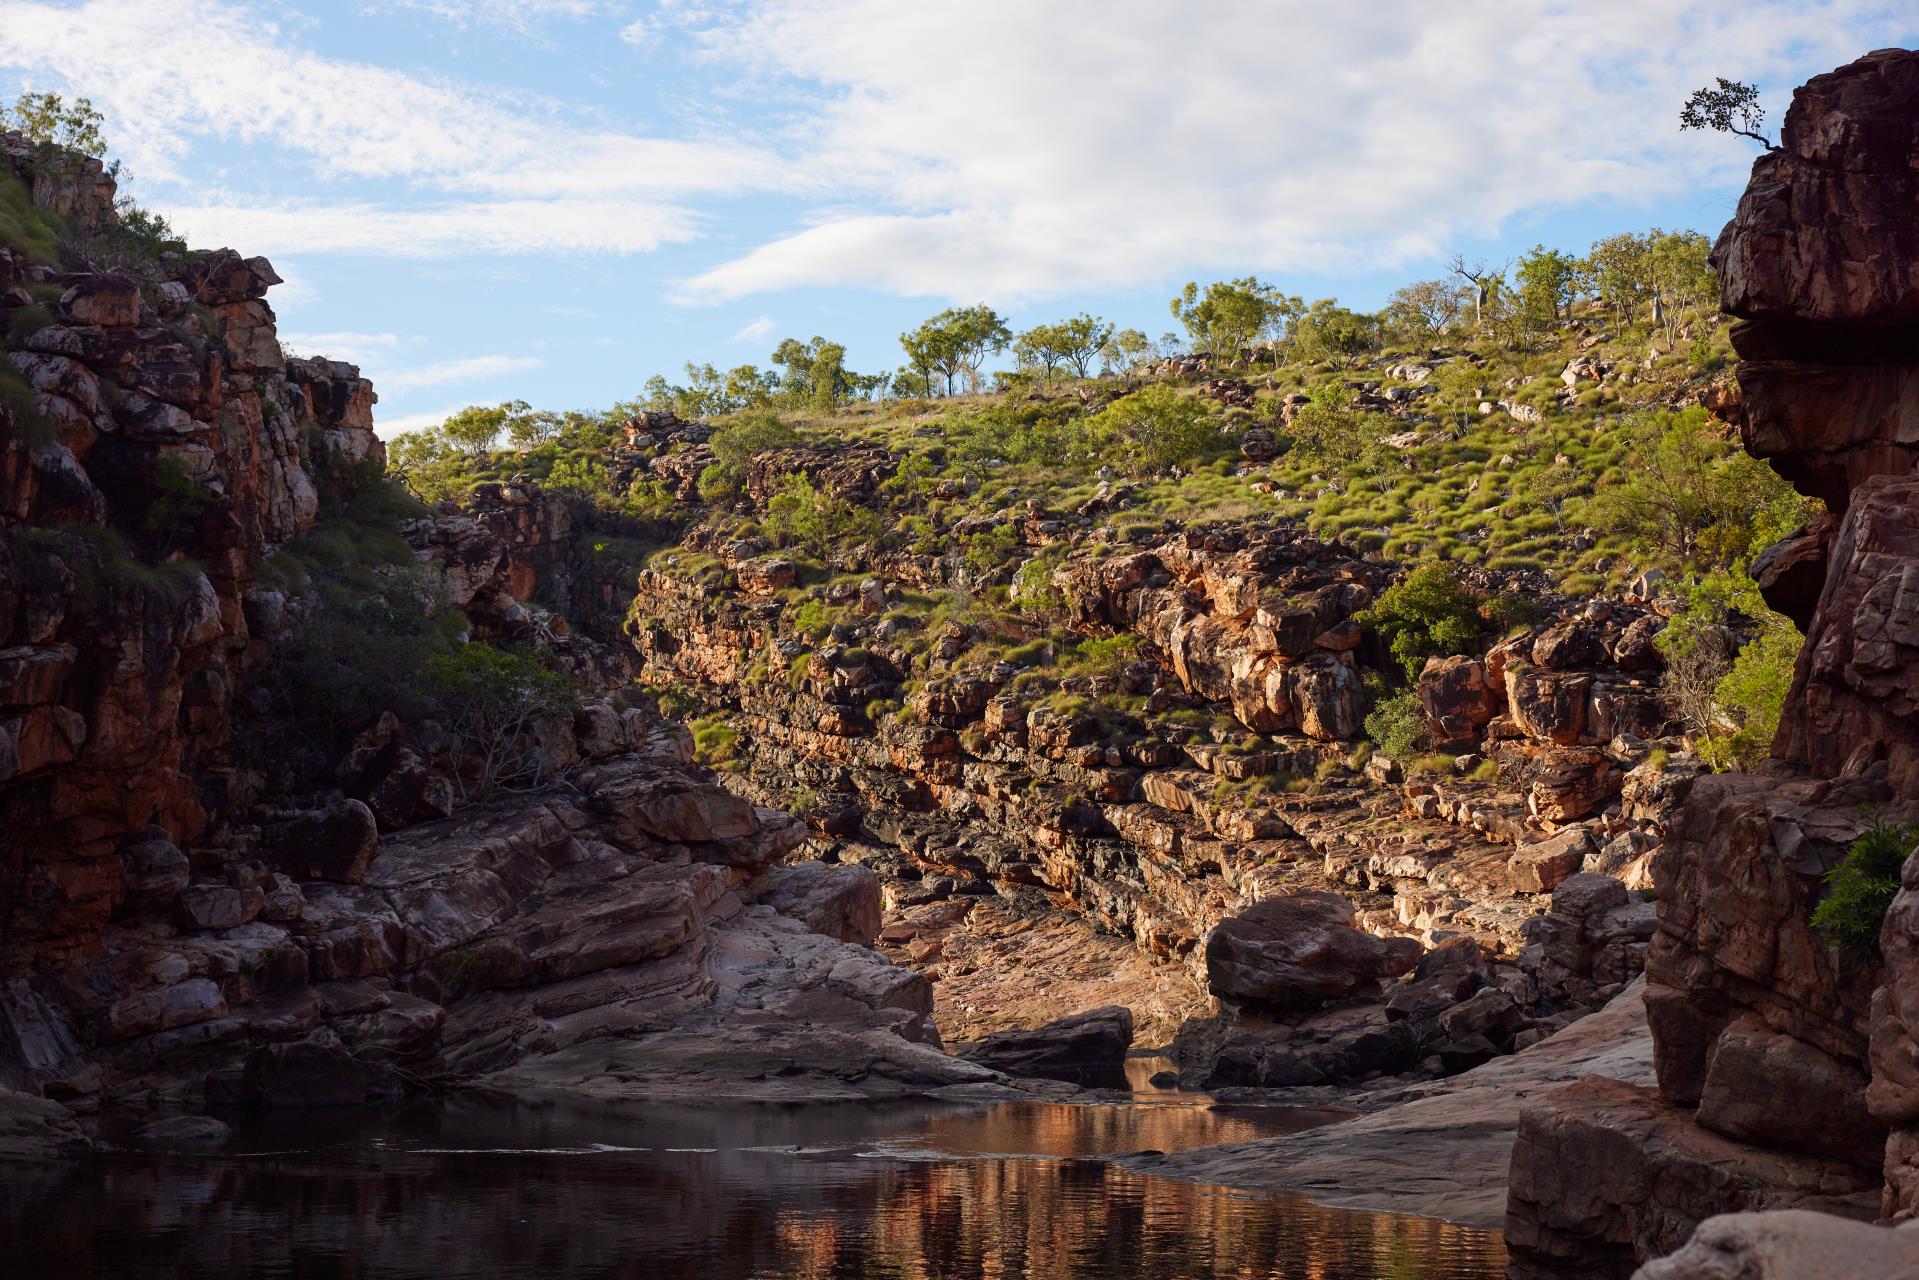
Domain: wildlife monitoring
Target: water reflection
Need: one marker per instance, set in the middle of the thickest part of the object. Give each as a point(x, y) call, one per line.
point(818, 1193)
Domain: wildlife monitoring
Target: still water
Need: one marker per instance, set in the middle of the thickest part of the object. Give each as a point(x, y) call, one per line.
point(871, 1192)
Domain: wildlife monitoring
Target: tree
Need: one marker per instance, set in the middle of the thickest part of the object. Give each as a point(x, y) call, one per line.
point(1425, 614)
point(1548, 282)
point(1080, 340)
point(1694, 500)
point(1332, 428)
point(1155, 428)
point(47, 119)
point(1039, 348)
point(489, 702)
point(1484, 280)
point(1730, 107)
point(1226, 316)
point(1329, 331)
point(1619, 270)
point(1679, 270)
point(1124, 352)
point(735, 444)
point(475, 429)
point(1729, 663)
point(1426, 309)
point(956, 342)
point(816, 373)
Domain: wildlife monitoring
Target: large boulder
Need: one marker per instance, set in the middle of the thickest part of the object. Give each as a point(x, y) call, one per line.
point(839, 900)
point(1300, 950)
point(334, 843)
point(1084, 1048)
point(1788, 1244)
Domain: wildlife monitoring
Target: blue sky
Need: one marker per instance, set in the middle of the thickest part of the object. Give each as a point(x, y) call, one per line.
point(550, 200)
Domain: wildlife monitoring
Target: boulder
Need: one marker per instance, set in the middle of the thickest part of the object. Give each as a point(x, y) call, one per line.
point(1300, 950)
point(1789, 1244)
point(1542, 866)
point(335, 843)
point(314, 1073)
point(839, 900)
point(1084, 1048)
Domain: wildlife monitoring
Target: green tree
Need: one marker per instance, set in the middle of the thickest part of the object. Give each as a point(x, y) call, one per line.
point(1692, 499)
point(1730, 106)
point(1331, 332)
point(1332, 429)
point(1425, 309)
point(475, 429)
point(1426, 614)
point(490, 701)
point(1155, 428)
point(1548, 282)
point(1619, 270)
point(1124, 353)
point(51, 121)
point(1226, 315)
point(1729, 663)
point(818, 520)
point(956, 342)
point(1682, 281)
point(735, 444)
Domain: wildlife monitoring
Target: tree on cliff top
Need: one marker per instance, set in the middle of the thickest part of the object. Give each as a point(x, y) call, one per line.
point(1731, 107)
point(51, 121)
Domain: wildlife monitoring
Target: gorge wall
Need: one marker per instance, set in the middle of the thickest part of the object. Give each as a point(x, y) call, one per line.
point(190, 917)
point(1783, 1064)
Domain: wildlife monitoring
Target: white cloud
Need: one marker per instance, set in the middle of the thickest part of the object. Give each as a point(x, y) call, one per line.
point(753, 330)
point(495, 227)
point(387, 428)
point(515, 15)
point(467, 369)
point(494, 172)
point(640, 32)
point(1023, 149)
point(354, 348)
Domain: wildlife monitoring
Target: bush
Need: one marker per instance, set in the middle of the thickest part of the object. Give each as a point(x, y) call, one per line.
point(489, 700)
point(818, 521)
point(1861, 888)
point(1425, 614)
point(1396, 725)
point(1155, 428)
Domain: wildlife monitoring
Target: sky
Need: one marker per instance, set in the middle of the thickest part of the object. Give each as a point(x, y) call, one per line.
point(550, 200)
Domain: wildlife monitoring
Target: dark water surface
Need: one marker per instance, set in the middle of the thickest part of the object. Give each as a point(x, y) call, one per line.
point(869, 1192)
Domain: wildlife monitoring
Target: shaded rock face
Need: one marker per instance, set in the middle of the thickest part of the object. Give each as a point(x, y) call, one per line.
point(1085, 1049)
point(115, 679)
point(1765, 1038)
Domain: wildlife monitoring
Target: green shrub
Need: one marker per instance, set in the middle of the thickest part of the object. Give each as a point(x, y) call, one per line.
point(1396, 725)
point(1425, 614)
point(1861, 888)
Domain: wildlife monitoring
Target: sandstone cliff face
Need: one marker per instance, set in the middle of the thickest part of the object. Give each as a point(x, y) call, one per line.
point(173, 930)
point(1763, 1034)
point(162, 446)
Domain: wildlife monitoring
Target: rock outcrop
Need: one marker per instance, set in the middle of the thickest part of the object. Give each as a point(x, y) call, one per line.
point(1781, 1063)
point(184, 922)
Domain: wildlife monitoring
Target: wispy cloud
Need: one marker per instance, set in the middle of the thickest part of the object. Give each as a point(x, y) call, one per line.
point(470, 168)
point(362, 349)
point(515, 15)
point(1038, 149)
point(502, 227)
point(467, 369)
point(753, 330)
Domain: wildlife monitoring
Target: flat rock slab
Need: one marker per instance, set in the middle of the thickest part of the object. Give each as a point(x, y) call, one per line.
point(1444, 1151)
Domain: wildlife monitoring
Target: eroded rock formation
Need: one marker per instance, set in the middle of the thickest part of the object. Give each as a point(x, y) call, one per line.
point(1766, 1038)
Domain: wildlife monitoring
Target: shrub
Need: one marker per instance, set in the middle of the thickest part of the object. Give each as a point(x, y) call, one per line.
point(817, 520)
point(489, 701)
point(1425, 614)
point(1155, 428)
point(1861, 888)
point(1396, 726)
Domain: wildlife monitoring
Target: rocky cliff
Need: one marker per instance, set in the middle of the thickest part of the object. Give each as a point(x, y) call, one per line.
point(189, 921)
point(1781, 1062)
